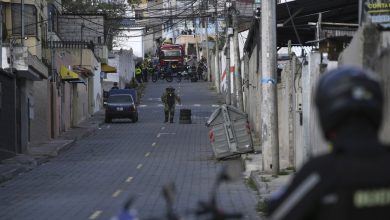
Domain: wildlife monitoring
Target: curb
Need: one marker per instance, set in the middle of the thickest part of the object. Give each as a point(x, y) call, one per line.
point(11, 173)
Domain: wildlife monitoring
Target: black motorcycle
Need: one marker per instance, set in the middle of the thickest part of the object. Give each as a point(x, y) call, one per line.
point(206, 209)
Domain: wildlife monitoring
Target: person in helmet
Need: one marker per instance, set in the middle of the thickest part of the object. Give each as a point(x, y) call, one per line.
point(169, 98)
point(352, 181)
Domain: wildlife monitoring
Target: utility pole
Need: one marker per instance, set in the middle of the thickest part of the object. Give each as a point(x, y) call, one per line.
point(81, 44)
point(269, 110)
point(217, 71)
point(205, 26)
point(207, 51)
point(237, 61)
point(227, 71)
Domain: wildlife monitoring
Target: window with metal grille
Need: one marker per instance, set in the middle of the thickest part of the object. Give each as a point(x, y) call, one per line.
point(30, 19)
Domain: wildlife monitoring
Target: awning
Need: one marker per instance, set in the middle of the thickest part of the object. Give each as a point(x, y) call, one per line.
point(68, 75)
point(108, 69)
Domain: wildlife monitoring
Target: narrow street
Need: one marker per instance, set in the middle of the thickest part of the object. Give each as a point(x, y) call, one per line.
point(94, 178)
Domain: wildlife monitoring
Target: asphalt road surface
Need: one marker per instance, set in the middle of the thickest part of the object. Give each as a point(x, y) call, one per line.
point(94, 178)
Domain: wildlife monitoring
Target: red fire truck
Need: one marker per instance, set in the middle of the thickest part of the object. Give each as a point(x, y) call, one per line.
point(173, 54)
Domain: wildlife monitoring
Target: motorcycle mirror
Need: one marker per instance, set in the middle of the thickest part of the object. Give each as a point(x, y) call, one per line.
point(169, 192)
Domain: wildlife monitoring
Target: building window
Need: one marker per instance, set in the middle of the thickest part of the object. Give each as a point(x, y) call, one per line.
point(30, 20)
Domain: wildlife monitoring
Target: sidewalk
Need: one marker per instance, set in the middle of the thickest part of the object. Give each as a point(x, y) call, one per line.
point(265, 184)
point(42, 152)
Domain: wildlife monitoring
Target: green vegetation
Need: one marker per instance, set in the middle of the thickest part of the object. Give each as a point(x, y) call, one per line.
point(262, 206)
point(283, 173)
point(112, 13)
point(291, 169)
point(251, 184)
point(265, 179)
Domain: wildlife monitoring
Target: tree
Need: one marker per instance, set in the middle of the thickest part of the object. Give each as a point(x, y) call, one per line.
point(113, 12)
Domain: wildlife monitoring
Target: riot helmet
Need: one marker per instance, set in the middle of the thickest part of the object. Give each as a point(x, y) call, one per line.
point(170, 89)
point(348, 92)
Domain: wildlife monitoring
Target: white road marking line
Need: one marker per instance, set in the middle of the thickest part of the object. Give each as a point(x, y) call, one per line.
point(139, 166)
point(197, 105)
point(160, 105)
point(162, 128)
point(142, 106)
point(158, 135)
point(116, 193)
point(215, 106)
point(147, 154)
point(129, 179)
point(96, 214)
point(154, 144)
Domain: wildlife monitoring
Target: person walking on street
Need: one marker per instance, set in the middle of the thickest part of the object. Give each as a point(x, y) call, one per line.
point(115, 86)
point(352, 181)
point(138, 73)
point(169, 98)
point(145, 71)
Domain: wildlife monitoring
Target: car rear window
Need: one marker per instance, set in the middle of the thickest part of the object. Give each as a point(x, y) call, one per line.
point(119, 98)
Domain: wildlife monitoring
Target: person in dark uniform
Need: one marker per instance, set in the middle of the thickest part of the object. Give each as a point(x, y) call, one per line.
point(115, 86)
point(169, 98)
point(353, 181)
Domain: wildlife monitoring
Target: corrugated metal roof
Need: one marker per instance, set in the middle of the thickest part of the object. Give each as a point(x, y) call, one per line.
point(305, 11)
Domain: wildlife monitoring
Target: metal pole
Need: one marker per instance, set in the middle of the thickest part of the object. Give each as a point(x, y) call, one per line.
point(360, 12)
point(269, 110)
point(227, 71)
point(217, 71)
point(207, 51)
point(237, 61)
point(81, 44)
point(22, 21)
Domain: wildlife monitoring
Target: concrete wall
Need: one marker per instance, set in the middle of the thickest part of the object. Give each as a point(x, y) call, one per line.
point(126, 67)
point(88, 28)
point(289, 127)
point(283, 122)
point(97, 91)
point(66, 116)
point(254, 94)
point(40, 122)
point(313, 142)
point(370, 49)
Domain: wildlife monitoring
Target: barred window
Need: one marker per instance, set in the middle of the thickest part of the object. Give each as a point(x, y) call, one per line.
point(30, 19)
